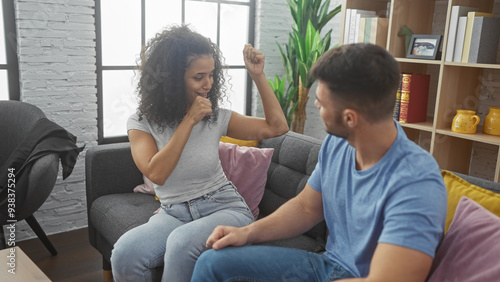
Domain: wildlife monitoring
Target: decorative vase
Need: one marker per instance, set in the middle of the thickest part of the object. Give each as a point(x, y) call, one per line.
point(492, 121)
point(465, 121)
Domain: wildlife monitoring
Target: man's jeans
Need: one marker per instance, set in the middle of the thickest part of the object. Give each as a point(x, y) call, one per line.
point(266, 263)
point(176, 236)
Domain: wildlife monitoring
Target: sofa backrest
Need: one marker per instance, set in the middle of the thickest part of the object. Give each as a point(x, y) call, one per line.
point(294, 159)
point(487, 184)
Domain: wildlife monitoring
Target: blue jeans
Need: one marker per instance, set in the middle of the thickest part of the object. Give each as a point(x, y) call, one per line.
point(266, 263)
point(176, 236)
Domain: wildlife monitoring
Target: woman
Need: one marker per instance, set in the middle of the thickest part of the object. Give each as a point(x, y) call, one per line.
point(174, 139)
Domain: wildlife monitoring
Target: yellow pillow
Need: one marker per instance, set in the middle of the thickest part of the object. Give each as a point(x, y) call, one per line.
point(458, 187)
point(247, 143)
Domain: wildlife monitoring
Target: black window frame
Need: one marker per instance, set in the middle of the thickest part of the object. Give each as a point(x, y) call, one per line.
point(100, 68)
point(12, 63)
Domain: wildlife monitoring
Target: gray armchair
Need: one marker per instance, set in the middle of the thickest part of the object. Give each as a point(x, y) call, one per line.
point(33, 187)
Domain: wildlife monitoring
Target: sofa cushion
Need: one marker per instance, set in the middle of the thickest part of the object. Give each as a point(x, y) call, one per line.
point(470, 251)
point(458, 187)
point(115, 214)
point(247, 168)
point(294, 159)
point(246, 143)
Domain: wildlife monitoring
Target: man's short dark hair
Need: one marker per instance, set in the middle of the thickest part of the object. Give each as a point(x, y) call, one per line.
point(364, 77)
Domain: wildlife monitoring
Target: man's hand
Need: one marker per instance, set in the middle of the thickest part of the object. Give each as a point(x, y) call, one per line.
point(224, 236)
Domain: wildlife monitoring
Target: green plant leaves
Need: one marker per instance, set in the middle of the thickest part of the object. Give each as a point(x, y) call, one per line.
point(305, 45)
point(284, 98)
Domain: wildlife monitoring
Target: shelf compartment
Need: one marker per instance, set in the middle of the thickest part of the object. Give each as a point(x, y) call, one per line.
point(379, 6)
point(421, 138)
point(460, 89)
point(452, 153)
point(432, 70)
point(416, 15)
point(483, 5)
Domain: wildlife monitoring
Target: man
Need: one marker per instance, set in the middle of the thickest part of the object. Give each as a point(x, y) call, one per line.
point(382, 196)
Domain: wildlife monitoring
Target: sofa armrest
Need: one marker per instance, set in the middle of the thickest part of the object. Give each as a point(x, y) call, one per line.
point(110, 169)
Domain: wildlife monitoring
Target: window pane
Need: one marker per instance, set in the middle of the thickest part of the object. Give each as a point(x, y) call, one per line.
point(4, 85)
point(161, 13)
point(120, 32)
point(236, 89)
point(202, 17)
point(3, 56)
point(233, 32)
point(119, 100)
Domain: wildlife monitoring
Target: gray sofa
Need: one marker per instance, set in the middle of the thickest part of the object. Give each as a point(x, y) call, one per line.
point(113, 208)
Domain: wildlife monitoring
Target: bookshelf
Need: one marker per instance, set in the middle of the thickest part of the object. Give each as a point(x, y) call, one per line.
point(454, 85)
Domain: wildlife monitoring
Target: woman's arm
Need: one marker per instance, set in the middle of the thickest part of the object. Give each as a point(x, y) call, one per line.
point(158, 165)
point(253, 128)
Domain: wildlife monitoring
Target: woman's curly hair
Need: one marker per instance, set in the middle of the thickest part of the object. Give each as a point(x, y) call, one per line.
point(164, 61)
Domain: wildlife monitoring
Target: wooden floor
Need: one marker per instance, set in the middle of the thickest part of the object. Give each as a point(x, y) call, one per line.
point(76, 260)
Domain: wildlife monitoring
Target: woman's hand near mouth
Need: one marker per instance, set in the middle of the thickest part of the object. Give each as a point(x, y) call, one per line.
point(200, 108)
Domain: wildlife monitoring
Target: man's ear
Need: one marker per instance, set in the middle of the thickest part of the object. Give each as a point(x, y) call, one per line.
point(350, 117)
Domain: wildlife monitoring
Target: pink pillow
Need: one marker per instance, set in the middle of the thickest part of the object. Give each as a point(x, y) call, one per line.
point(247, 168)
point(146, 188)
point(470, 250)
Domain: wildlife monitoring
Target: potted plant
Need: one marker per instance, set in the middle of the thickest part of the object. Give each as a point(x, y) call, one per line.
point(305, 46)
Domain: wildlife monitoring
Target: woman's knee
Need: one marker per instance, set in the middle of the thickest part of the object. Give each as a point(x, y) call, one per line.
point(191, 243)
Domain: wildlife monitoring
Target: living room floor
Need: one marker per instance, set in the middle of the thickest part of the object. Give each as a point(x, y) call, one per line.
point(76, 260)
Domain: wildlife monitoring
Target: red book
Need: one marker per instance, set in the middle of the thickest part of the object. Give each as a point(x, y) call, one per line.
point(414, 96)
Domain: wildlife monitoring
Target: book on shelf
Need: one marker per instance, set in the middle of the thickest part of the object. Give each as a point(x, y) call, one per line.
point(368, 29)
point(352, 23)
point(361, 30)
point(397, 104)
point(468, 32)
point(379, 28)
point(414, 97)
point(347, 25)
point(456, 12)
point(459, 41)
point(484, 40)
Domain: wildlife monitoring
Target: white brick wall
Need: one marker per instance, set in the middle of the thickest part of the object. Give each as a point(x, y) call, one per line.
point(56, 49)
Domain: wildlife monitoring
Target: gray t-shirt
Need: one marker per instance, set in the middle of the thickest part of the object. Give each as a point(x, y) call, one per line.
point(199, 170)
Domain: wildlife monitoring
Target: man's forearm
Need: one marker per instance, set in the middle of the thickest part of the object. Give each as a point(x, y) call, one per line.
point(289, 220)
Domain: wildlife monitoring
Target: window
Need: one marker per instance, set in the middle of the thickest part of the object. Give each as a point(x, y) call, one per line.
point(122, 27)
point(9, 71)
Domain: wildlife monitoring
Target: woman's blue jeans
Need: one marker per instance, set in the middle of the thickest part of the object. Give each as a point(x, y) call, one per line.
point(176, 236)
point(266, 263)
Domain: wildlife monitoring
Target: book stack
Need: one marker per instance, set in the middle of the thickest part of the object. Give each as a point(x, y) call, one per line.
point(412, 97)
point(472, 36)
point(363, 26)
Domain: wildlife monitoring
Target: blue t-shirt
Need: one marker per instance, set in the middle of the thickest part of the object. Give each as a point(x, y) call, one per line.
point(400, 200)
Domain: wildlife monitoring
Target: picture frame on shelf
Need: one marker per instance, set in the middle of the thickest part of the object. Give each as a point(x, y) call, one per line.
point(424, 46)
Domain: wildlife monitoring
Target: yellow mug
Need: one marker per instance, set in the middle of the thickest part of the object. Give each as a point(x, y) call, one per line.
point(492, 121)
point(465, 121)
